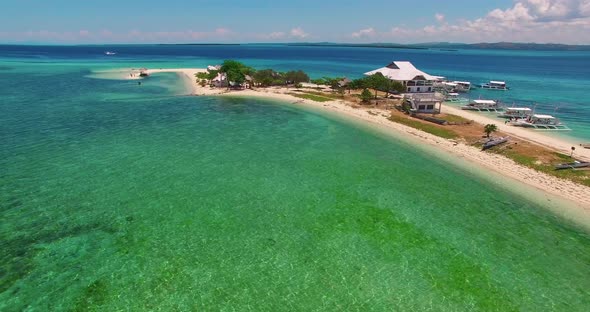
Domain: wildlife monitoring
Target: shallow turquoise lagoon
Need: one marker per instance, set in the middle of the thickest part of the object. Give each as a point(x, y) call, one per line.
point(115, 196)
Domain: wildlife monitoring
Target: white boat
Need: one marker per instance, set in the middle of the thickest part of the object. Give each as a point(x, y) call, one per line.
point(462, 86)
point(453, 97)
point(516, 112)
point(494, 85)
point(482, 106)
point(540, 122)
point(110, 53)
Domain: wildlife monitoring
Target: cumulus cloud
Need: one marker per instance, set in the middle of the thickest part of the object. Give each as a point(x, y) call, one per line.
point(561, 21)
point(367, 32)
point(298, 33)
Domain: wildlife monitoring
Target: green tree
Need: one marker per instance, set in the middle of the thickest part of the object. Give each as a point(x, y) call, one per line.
point(265, 77)
point(360, 83)
point(202, 75)
point(296, 77)
point(378, 82)
point(397, 86)
point(319, 81)
point(489, 129)
point(235, 71)
point(366, 96)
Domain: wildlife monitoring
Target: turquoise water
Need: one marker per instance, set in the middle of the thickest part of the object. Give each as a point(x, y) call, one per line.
point(115, 196)
point(553, 82)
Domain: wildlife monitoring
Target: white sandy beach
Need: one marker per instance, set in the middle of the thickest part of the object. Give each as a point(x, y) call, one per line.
point(569, 191)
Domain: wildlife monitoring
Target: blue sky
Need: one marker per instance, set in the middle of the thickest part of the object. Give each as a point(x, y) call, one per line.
point(150, 21)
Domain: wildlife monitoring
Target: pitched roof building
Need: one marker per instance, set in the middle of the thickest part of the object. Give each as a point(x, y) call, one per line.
point(415, 80)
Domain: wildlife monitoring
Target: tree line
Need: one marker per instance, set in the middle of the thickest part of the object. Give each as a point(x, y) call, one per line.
point(237, 73)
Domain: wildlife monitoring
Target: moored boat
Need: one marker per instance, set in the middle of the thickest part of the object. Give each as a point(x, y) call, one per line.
point(572, 165)
point(540, 122)
point(482, 106)
point(143, 72)
point(494, 85)
point(110, 53)
point(516, 112)
point(462, 86)
point(453, 97)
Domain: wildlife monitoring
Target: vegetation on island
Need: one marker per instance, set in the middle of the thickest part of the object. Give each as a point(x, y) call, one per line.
point(489, 129)
point(366, 96)
point(236, 73)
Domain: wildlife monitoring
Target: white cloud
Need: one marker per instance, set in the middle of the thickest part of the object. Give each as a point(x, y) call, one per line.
point(298, 33)
point(367, 32)
point(277, 35)
point(561, 21)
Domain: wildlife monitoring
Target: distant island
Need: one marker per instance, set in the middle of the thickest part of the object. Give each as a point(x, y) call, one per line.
point(455, 46)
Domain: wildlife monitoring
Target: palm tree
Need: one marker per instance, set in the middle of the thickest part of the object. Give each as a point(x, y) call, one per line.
point(489, 128)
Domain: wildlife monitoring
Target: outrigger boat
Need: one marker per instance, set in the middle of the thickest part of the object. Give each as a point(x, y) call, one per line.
point(462, 86)
point(494, 85)
point(482, 106)
point(453, 97)
point(572, 165)
point(540, 122)
point(516, 112)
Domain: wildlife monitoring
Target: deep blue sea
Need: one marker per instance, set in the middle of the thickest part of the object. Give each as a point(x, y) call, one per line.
point(553, 82)
point(116, 196)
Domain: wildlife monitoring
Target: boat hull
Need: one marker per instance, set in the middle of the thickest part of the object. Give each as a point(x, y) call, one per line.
point(574, 165)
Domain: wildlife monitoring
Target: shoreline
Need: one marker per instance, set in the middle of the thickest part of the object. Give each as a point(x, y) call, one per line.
point(567, 191)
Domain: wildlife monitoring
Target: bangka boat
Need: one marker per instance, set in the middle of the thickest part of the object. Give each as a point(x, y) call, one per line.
point(110, 53)
point(462, 86)
point(493, 142)
point(454, 98)
point(572, 165)
point(515, 112)
point(540, 122)
point(482, 106)
point(494, 85)
point(587, 145)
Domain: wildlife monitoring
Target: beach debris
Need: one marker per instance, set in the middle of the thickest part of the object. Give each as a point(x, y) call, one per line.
point(493, 142)
point(573, 165)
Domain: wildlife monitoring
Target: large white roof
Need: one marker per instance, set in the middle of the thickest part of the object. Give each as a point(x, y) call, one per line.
point(484, 101)
point(543, 116)
point(518, 108)
point(401, 71)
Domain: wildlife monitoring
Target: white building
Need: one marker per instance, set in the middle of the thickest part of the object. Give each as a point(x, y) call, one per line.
point(428, 103)
point(415, 81)
point(220, 80)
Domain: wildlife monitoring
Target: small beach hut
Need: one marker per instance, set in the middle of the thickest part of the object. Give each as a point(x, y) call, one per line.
point(344, 82)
